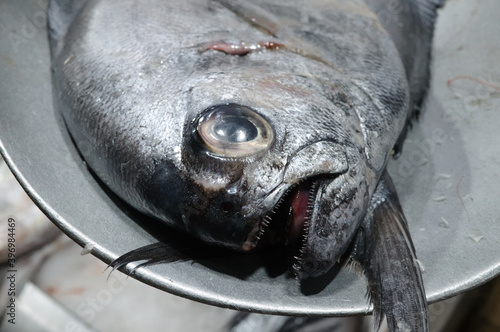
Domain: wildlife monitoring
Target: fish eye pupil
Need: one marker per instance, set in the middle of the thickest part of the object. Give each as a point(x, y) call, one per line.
point(227, 207)
point(236, 129)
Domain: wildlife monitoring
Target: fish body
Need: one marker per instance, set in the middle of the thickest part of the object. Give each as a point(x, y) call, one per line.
point(250, 123)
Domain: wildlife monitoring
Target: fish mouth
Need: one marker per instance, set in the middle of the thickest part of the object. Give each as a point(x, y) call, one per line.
point(289, 221)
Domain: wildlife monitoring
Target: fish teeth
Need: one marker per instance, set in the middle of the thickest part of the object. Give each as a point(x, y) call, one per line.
point(299, 261)
point(265, 222)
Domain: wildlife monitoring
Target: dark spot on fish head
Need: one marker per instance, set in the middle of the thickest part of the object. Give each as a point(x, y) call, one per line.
point(227, 207)
point(219, 222)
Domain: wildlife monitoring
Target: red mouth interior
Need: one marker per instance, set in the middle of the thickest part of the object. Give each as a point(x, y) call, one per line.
point(289, 222)
point(299, 212)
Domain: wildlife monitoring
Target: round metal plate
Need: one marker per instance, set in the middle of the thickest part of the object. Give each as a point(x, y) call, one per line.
point(447, 177)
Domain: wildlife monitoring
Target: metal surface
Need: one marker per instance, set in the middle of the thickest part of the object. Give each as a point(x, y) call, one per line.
point(447, 177)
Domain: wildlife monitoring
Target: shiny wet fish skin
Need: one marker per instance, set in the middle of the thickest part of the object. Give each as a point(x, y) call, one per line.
point(136, 105)
point(335, 81)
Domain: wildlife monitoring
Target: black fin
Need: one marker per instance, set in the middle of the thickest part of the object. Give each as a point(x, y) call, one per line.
point(177, 247)
point(423, 14)
point(427, 12)
point(385, 250)
point(155, 253)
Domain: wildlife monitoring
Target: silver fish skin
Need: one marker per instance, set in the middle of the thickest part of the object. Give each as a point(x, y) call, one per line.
point(136, 101)
point(228, 119)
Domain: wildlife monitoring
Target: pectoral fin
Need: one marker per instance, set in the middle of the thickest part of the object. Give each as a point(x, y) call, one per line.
point(386, 252)
point(156, 253)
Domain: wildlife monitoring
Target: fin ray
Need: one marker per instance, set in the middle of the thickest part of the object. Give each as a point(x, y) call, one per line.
point(385, 250)
point(155, 253)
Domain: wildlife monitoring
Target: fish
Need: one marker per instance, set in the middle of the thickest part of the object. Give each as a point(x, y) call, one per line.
point(255, 124)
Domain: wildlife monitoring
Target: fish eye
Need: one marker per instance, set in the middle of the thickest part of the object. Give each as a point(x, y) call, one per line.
point(234, 131)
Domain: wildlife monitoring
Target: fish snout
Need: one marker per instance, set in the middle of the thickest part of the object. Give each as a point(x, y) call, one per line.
point(320, 158)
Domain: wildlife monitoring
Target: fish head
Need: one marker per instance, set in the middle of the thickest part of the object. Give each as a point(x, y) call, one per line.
point(266, 157)
point(235, 136)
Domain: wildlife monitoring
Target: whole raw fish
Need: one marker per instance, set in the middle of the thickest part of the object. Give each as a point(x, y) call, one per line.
point(249, 123)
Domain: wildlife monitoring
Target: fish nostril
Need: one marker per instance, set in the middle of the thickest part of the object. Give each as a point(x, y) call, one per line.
point(227, 207)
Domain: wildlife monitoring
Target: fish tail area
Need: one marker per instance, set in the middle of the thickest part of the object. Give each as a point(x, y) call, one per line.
point(385, 250)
